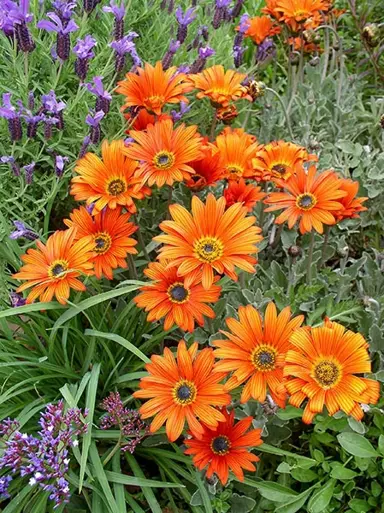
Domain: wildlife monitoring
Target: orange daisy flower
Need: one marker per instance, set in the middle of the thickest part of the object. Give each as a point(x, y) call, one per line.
point(270, 8)
point(182, 391)
point(168, 296)
point(164, 152)
point(142, 119)
point(53, 269)
point(297, 45)
point(108, 182)
point(240, 192)
point(256, 353)
point(322, 367)
point(110, 231)
point(259, 28)
point(279, 160)
point(208, 170)
point(308, 197)
point(226, 448)
point(352, 206)
point(295, 11)
point(237, 149)
point(152, 87)
point(210, 239)
point(220, 86)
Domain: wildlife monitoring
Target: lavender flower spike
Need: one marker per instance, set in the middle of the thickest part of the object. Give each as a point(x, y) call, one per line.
point(63, 31)
point(89, 5)
point(11, 161)
point(64, 10)
point(20, 16)
point(103, 98)
point(220, 12)
point(32, 122)
point(28, 170)
point(183, 20)
point(6, 22)
point(52, 106)
point(84, 52)
point(167, 59)
point(122, 47)
point(84, 148)
point(59, 165)
point(12, 115)
point(22, 232)
point(204, 53)
point(184, 108)
point(236, 10)
point(119, 13)
point(93, 120)
point(238, 52)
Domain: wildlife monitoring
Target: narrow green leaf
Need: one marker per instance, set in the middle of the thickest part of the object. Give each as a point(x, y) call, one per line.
point(148, 493)
point(357, 445)
point(117, 487)
point(293, 505)
point(272, 491)
point(100, 475)
point(120, 340)
point(17, 502)
point(270, 449)
point(204, 494)
point(321, 498)
point(34, 307)
point(115, 477)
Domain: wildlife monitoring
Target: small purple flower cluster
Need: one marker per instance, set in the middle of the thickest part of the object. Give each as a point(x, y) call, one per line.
point(128, 421)
point(183, 20)
point(22, 231)
point(45, 459)
point(63, 25)
point(13, 21)
point(84, 53)
point(125, 46)
point(238, 48)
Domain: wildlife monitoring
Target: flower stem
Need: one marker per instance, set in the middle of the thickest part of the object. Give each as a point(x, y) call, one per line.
point(132, 268)
point(141, 240)
point(274, 243)
point(283, 108)
point(310, 257)
point(325, 244)
point(114, 450)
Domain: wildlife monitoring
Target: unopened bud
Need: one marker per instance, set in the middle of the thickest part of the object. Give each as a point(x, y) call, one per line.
point(294, 251)
point(343, 252)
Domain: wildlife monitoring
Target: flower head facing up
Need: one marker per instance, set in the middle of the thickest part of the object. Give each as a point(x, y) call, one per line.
point(323, 366)
point(240, 192)
point(56, 25)
point(279, 160)
point(116, 10)
point(208, 240)
point(208, 170)
point(294, 12)
point(153, 88)
point(185, 18)
point(352, 206)
point(84, 47)
point(226, 447)
point(259, 28)
point(220, 86)
point(163, 152)
point(236, 149)
point(168, 296)
point(182, 390)
point(111, 232)
point(256, 350)
point(313, 198)
point(108, 181)
point(54, 268)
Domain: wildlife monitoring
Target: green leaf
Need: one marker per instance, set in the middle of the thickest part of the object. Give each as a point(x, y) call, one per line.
point(321, 498)
point(290, 412)
point(340, 472)
point(357, 445)
point(118, 488)
point(356, 425)
point(99, 474)
point(272, 491)
point(295, 504)
point(359, 505)
point(115, 477)
point(204, 494)
point(148, 493)
point(303, 461)
point(34, 307)
point(17, 502)
point(381, 445)
point(304, 475)
point(120, 340)
point(242, 504)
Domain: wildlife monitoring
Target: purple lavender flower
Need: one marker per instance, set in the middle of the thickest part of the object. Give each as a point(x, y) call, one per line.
point(22, 232)
point(221, 12)
point(243, 27)
point(59, 165)
point(53, 106)
point(63, 31)
point(16, 300)
point(103, 98)
point(89, 208)
point(89, 5)
point(93, 120)
point(12, 115)
point(238, 52)
point(4, 484)
point(127, 420)
point(84, 147)
point(184, 108)
point(163, 4)
point(20, 16)
point(83, 51)
point(64, 10)
point(167, 59)
point(184, 68)
point(6, 22)
point(29, 170)
point(49, 123)
point(31, 100)
point(119, 13)
point(265, 51)
point(32, 121)
point(203, 31)
point(204, 53)
point(123, 47)
point(11, 161)
point(171, 6)
point(183, 20)
point(236, 10)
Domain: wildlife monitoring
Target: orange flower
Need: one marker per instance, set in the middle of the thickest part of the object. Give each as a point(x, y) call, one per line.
point(182, 390)
point(110, 231)
point(352, 206)
point(220, 86)
point(109, 181)
point(308, 197)
point(168, 296)
point(164, 152)
point(279, 160)
point(259, 28)
point(226, 448)
point(295, 11)
point(270, 8)
point(152, 87)
point(240, 192)
point(256, 353)
point(208, 170)
point(53, 269)
point(142, 119)
point(237, 149)
point(210, 239)
point(297, 44)
point(322, 367)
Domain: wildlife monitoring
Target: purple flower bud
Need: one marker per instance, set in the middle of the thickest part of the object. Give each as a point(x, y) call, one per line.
point(119, 13)
point(265, 50)
point(49, 123)
point(167, 59)
point(29, 170)
point(84, 147)
point(59, 164)
point(163, 4)
point(20, 16)
point(93, 120)
point(11, 161)
point(22, 232)
point(244, 23)
point(206, 52)
point(89, 5)
point(103, 98)
point(238, 52)
point(89, 208)
point(51, 104)
point(31, 100)
point(84, 47)
point(63, 30)
point(184, 108)
point(203, 31)
point(171, 6)
point(237, 8)
point(183, 20)
point(64, 10)
point(199, 63)
point(122, 47)
point(4, 484)
point(12, 115)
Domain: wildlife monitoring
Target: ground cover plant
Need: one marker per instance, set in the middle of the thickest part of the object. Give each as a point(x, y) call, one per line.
point(192, 256)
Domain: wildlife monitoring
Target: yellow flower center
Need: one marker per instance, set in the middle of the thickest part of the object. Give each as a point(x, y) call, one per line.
point(234, 171)
point(57, 269)
point(116, 186)
point(177, 293)
point(164, 160)
point(103, 242)
point(306, 201)
point(184, 392)
point(220, 445)
point(208, 249)
point(327, 373)
point(263, 358)
point(154, 101)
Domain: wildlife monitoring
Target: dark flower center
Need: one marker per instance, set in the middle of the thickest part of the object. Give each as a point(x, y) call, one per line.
point(326, 373)
point(184, 392)
point(264, 358)
point(102, 242)
point(116, 187)
point(179, 293)
point(164, 160)
point(57, 269)
point(220, 445)
point(279, 169)
point(306, 201)
point(208, 249)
